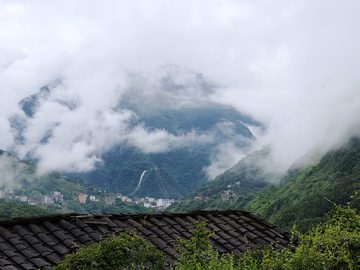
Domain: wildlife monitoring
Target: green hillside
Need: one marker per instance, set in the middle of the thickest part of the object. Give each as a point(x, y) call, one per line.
point(304, 195)
point(13, 209)
point(308, 194)
point(249, 175)
point(157, 183)
point(20, 176)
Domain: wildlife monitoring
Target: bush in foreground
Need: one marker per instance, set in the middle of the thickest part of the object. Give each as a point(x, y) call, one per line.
point(123, 252)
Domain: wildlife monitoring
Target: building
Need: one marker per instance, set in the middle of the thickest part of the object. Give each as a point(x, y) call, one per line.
point(9, 190)
point(54, 193)
point(110, 199)
point(23, 199)
point(45, 200)
point(33, 202)
point(59, 198)
point(93, 198)
point(225, 197)
point(148, 204)
point(82, 198)
point(42, 242)
point(228, 194)
point(164, 202)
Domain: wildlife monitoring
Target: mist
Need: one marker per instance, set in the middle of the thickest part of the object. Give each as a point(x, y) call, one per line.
point(290, 65)
point(10, 171)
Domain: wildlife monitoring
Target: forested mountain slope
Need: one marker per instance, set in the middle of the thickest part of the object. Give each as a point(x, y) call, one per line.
point(184, 164)
point(18, 180)
point(306, 194)
point(249, 175)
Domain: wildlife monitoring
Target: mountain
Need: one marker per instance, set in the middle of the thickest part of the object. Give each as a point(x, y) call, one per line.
point(249, 175)
point(183, 164)
point(159, 184)
point(18, 179)
point(197, 132)
point(305, 194)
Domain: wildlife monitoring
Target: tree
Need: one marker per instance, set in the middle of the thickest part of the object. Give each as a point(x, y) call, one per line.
point(123, 252)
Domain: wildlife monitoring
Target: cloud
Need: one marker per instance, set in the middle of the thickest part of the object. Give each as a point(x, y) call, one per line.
point(291, 64)
point(9, 170)
point(158, 141)
point(226, 156)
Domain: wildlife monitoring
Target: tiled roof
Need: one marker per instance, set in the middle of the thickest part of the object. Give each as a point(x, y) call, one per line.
point(43, 241)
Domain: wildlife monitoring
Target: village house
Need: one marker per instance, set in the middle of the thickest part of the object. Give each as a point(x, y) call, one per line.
point(82, 198)
point(93, 198)
point(110, 199)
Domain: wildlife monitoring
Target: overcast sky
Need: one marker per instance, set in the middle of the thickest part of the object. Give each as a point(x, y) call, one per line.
point(291, 64)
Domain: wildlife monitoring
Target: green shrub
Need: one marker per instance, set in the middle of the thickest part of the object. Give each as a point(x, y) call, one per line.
point(197, 253)
point(333, 245)
point(123, 252)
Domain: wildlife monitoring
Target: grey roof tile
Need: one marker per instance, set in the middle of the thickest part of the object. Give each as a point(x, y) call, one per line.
point(28, 266)
point(43, 241)
point(9, 267)
point(158, 222)
point(5, 233)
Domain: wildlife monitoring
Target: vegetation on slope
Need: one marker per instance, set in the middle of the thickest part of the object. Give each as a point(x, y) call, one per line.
point(14, 209)
point(101, 207)
point(157, 183)
point(306, 195)
point(21, 177)
point(303, 197)
point(184, 164)
point(249, 175)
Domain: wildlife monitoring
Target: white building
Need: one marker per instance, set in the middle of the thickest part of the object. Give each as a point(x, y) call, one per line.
point(164, 202)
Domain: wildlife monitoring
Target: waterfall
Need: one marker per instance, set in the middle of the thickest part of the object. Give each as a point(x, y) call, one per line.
point(141, 178)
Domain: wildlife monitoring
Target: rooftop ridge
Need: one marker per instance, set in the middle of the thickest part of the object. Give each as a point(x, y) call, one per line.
point(36, 219)
point(43, 241)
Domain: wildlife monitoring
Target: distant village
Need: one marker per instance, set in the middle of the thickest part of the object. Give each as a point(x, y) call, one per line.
point(55, 197)
point(158, 204)
point(225, 196)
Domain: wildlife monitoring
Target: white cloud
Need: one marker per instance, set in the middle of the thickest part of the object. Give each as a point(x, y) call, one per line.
point(291, 64)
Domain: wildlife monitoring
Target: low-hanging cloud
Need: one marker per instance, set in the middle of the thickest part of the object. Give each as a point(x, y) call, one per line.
point(291, 64)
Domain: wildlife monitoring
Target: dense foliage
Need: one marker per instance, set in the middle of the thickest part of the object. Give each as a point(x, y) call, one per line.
point(158, 183)
point(35, 186)
point(123, 252)
point(102, 207)
point(333, 245)
point(13, 209)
